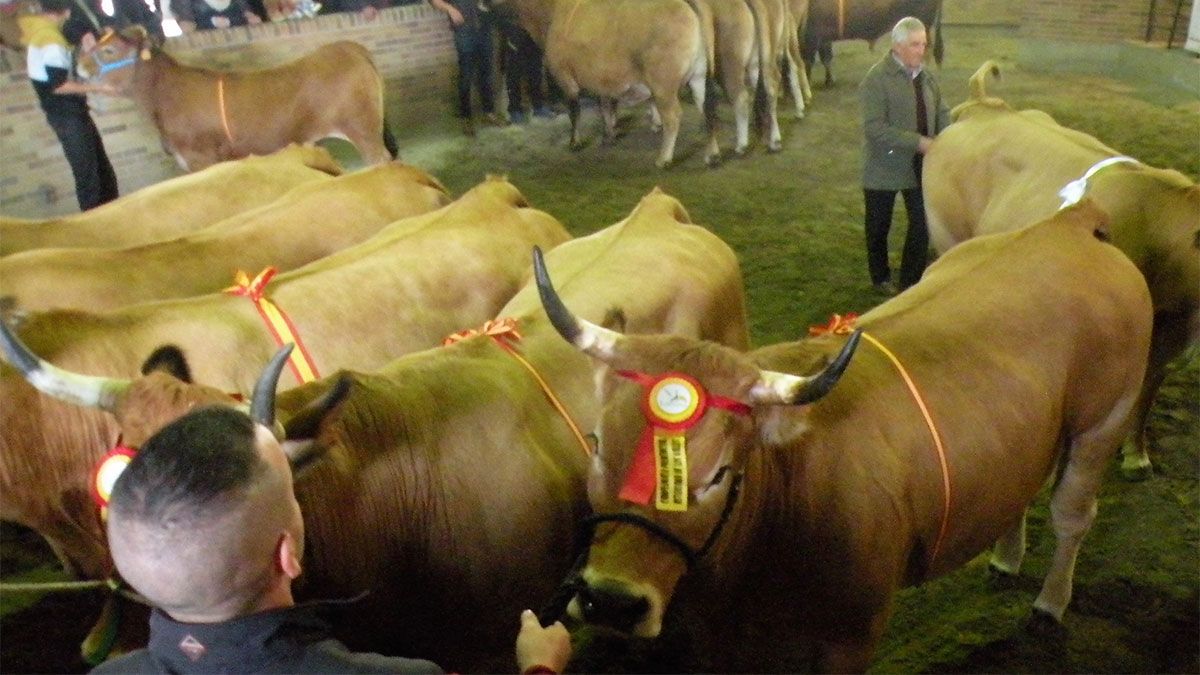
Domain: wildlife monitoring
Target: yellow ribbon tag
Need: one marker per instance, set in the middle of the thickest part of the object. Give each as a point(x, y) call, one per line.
point(670, 461)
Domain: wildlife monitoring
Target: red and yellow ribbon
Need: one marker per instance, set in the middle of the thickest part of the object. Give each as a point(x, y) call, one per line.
point(671, 404)
point(277, 322)
point(844, 325)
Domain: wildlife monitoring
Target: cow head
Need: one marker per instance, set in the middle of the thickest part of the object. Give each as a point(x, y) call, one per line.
point(162, 393)
point(113, 59)
point(647, 534)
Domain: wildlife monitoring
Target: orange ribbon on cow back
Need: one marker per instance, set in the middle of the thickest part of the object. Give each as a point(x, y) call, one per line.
point(504, 333)
point(221, 109)
point(844, 325)
point(496, 328)
point(277, 322)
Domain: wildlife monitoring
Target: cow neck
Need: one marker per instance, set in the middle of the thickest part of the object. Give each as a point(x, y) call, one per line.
point(844, 325)
point(505, 334)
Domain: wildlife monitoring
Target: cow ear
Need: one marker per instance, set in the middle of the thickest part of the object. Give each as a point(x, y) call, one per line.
point(168, 359)
point(304, 428)
point(614, 319)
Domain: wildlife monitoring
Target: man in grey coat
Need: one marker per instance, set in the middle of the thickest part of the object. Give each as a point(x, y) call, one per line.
point(902, 110)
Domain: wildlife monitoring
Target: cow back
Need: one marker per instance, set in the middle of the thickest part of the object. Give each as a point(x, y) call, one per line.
point(176, 206)
point(305, 224)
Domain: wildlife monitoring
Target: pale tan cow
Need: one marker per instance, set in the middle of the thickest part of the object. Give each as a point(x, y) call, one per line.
point(997, 169)
point(177, 206)
point(614, 47)
point(307, 223)
point(205, 115)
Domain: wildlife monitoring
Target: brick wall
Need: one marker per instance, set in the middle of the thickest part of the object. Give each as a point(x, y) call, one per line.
point(1101, 20)
point(411, 46)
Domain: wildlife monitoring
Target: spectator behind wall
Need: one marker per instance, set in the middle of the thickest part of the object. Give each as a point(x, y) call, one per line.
point(195, 15)
point(368, 8)
point(125, 13)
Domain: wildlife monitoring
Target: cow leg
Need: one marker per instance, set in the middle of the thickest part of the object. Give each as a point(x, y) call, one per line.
point(794, 73)
point(668, 106)
point(573, 113)
point(706, 102)
point(739, 97)
point(768, 107)
point(1009, 550)
point(1169, 339)
point(805, 85)
point(655, 118)
point(1073, 504)
point(826, 53)
point(608, 112)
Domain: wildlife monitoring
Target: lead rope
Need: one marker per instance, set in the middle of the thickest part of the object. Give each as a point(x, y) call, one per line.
point(221, 108)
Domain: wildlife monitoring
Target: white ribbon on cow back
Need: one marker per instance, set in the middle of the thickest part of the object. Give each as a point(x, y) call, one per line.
point(1072, 192)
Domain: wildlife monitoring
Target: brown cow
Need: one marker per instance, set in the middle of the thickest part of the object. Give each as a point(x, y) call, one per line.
point(303, 225)
point(843, 494)
point(205, 116)
point(401, 291)
point(177, 206)
point(612, 47)
point(453, 485)
point(999, 169)
point(832, 20)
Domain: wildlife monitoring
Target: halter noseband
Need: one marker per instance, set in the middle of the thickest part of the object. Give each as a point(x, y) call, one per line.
point(573, 583)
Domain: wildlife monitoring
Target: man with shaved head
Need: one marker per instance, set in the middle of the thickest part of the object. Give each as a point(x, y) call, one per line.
point(205, 525)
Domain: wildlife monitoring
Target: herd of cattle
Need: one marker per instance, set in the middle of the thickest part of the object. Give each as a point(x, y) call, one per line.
point(451, 480)
point(612, 49)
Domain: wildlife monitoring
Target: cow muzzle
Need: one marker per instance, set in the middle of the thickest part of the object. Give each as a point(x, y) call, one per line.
point(631, 608)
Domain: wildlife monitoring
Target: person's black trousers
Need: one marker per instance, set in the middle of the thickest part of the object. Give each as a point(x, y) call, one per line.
point(474, 48)
point(95, 180)
point(522, 63)
point(879, 205)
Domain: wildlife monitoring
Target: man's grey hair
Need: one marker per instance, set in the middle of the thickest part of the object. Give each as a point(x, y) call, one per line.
point(904, 29)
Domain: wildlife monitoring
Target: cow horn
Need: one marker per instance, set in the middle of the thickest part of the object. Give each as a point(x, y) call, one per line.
point(774, 387)
point(262, 403)
point(591, 339)
point(84, 390)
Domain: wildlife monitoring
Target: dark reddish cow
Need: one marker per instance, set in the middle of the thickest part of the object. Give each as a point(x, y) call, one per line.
point(832, 20)
point(205, 115)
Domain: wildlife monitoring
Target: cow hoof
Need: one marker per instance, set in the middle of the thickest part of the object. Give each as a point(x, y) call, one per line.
point(576, 146)
point(712, 161)
point(1043, 625)
point(1001, 579)
point(663, 164)
point(739, 152)
point(774, 147)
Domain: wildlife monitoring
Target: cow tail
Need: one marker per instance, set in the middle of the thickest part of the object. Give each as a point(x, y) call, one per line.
point(708, 34)
point(708, 37)
point(939, 47)
point(978, 81)
point(389, 139)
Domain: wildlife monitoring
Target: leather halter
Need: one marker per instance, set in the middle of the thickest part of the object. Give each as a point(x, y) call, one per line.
point(573, 582)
